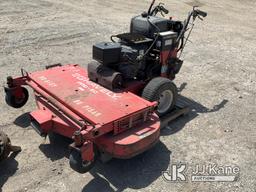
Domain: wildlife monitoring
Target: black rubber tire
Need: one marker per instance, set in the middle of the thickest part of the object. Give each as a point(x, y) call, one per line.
point(77, 164)
point(12, 101)
point(155, 87)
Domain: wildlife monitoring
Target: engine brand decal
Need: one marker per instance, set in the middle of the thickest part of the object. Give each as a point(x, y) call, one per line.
point(86, 84)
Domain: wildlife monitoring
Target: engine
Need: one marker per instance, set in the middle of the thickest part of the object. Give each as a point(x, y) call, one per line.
point(147, 51)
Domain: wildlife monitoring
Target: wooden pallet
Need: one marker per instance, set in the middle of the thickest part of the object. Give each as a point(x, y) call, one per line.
point(181, 108)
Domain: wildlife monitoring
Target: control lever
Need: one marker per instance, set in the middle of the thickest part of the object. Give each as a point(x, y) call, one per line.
point(164, 9)
point(201, 13)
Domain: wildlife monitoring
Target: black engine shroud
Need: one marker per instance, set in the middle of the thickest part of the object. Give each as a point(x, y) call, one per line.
point(137, 54)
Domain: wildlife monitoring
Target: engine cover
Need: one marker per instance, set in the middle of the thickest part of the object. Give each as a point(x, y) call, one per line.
point(107, 53)
point(145, 25)
point(129, 64)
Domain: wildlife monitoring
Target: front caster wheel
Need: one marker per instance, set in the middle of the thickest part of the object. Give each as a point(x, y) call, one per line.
point(76, 162)
point(14, 101)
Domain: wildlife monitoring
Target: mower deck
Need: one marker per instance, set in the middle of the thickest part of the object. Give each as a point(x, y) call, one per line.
point(71, 86)
point(118, 122)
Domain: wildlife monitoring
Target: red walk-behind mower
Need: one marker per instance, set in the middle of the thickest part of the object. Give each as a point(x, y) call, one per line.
point(114, 107)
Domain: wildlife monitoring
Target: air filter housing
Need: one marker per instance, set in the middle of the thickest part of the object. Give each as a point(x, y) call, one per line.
point(107, 53)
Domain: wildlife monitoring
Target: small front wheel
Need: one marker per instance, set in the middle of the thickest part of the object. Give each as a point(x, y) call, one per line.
point(17, 102)
point(76, 162)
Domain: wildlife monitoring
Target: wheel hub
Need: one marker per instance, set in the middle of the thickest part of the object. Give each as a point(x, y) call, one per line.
point(165, 101)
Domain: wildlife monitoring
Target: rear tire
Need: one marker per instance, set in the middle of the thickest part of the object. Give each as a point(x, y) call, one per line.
point(162, 90)
point(14, 102)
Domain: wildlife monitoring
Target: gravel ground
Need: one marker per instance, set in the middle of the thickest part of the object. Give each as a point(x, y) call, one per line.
point(218, 79)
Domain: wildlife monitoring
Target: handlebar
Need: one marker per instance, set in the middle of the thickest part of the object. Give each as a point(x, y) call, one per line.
point(151, 5)
point(201, 13)
point(162, 8)
point(159, 8)
point(194, 14)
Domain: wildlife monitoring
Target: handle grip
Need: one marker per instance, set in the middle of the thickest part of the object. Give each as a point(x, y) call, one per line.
point(166, 11)
point(201, 13)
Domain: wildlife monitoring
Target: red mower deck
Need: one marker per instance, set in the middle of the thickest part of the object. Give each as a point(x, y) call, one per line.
point(97, 105)
point(119, 122)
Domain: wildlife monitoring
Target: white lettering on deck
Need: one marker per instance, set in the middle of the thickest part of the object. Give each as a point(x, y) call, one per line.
point(47, 81)
point(94, 88)
point(88, 108)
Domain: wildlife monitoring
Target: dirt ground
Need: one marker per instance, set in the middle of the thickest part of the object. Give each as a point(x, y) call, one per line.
point(217, 79)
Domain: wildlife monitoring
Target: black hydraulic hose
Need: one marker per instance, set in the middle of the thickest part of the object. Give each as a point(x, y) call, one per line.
point(151, 46)
point(112, 36)
point(153, 12)
point(150, 8)
point(180, 39)
point(181, 43)
point(182, 48)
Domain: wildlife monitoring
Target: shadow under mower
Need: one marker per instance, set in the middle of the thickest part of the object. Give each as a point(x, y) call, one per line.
point(112, 108)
